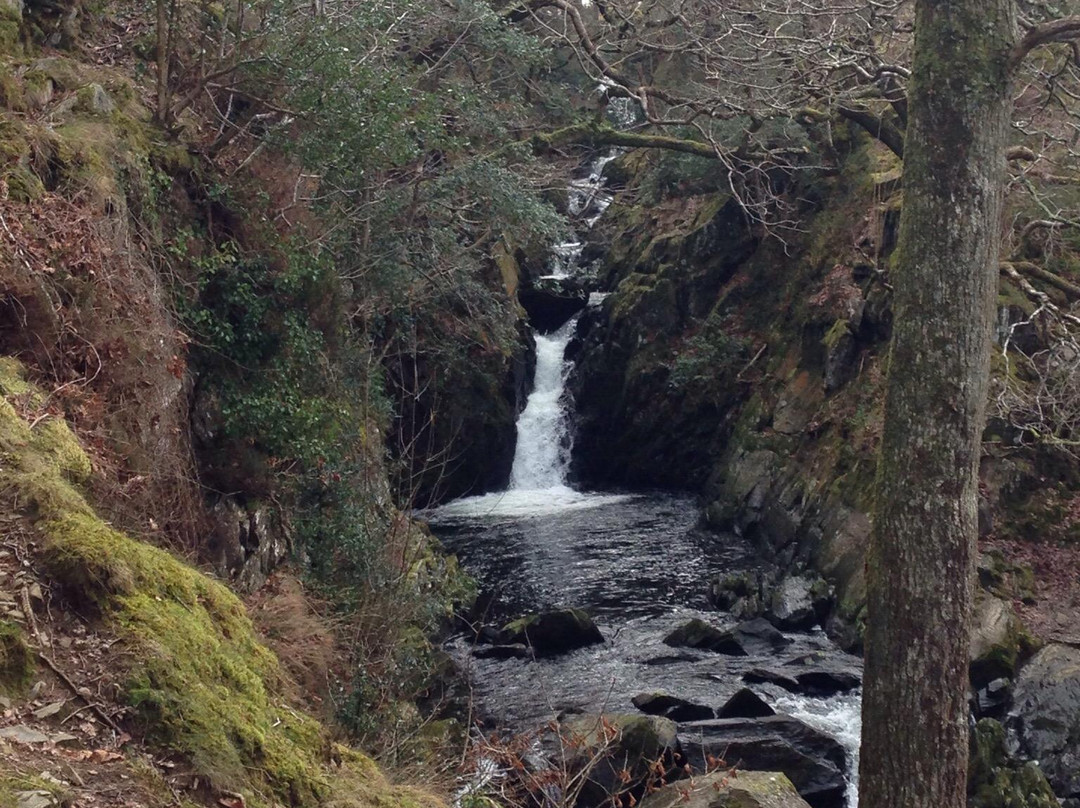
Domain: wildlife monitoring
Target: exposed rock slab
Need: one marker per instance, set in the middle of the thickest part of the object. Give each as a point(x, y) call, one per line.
point(813, 761)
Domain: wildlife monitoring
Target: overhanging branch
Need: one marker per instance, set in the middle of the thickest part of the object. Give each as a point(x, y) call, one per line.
point(598, 134)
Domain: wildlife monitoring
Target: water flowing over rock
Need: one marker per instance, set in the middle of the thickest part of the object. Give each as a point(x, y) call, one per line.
point(543, 443)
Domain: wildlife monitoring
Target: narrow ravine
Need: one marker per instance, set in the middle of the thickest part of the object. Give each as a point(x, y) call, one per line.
point(637, 562)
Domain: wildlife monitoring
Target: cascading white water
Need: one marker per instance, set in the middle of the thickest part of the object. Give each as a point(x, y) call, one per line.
point(542, 454)
point(840, 717)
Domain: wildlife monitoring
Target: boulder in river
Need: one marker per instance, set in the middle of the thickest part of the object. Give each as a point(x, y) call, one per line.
point(623, 753)
point(515, 651)
point(756, 636)
point(812, 760)
point(1046, 715)
point(759, 636)
point(696, 633)
point(552, 633)
point(799, 602)
point(719, 790)
point(672, 707)
point(745, 704)
point(817, 682)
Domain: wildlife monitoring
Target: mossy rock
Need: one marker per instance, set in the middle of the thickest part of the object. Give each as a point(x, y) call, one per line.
point(995, 781)
point(723, 790)
point(16, 659)
point(554, 632)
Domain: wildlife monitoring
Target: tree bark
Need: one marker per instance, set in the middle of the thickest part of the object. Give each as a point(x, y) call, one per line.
point(921, 560)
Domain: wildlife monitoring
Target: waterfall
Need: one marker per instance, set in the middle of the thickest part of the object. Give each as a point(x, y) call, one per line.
point(542, 454)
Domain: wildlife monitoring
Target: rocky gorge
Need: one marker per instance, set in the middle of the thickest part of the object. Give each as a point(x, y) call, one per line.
point(745, 370)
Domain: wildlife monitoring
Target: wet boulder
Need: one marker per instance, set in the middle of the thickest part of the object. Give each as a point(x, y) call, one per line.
point(813, 761)
point(745, 704)
point(671, 707)
point(514, 651)
point(697, 633)
point(759, 636)
point(819, 682)
point(622, 753)
point(719, 790)
point(551, 302)
point(552, 633)
point(799, 602)
point(756, 636)
point(1046, 715)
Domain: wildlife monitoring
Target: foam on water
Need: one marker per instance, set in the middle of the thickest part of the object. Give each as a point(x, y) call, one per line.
point(840, 717)
point(525, 502)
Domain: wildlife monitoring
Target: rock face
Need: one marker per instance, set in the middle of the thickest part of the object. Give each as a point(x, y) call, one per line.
point(552, 633)
point(624, 752)
point(1046, 715)
point(718, 790)
point(998, 641)
point(671, 707)
point(248, 542)
point(813, 761)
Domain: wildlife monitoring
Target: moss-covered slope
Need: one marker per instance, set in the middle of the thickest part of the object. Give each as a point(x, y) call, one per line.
point(200, 681)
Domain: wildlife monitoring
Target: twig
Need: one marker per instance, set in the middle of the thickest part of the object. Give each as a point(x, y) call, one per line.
point(761, 350)
point(29, 612)
point(99, 711)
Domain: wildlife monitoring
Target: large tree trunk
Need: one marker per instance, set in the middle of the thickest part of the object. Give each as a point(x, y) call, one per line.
point(920, 566)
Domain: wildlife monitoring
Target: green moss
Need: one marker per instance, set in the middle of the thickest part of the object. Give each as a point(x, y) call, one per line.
point(52, 438)
point(16, 659)
point(13, 381)
point(994, 781)
point(11, 92)
point(13, 784)
point(200, 681)
point(839, 329)
point(10, 29)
